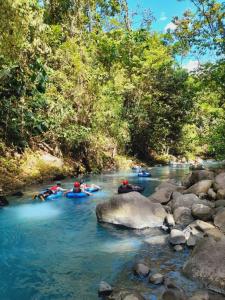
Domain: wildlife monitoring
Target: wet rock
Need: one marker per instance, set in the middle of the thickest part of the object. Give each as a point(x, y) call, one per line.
point(165, 228)
point(177, 237)
point(211, 194)
point(170, 220)
point(200, 295)
point(173, 292)
point(131, 210)
point(200, 187)
point(219, 220)
point(182, 215)
point(207, 264)
point(219, 182)
point(178, 248)
point(220, 203)
point(202, 212)
point(125, 295)
point(156, 278)
point(104, 289)
point(141, 269)
point(18, 194)
point(3, 201)
point(220, 194)
point(199, 175)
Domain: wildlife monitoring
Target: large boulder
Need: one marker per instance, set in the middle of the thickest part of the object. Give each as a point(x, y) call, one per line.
point(182, 215)
point(220, 203)
point(162, 195)
point(188, 200)
point(131, 210)
point(207, 263)
point(219, 182)
point(219, 220)
point(198, 175)
point(200, 187)
point(168, 185)
point(202, 212)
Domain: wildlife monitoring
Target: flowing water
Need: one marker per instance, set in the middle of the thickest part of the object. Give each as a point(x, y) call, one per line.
point(57, 250)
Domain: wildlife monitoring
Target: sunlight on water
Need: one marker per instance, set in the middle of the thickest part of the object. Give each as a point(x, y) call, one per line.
point(34, 212)
point(121, 246)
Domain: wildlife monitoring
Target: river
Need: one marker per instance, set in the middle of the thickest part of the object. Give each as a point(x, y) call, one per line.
point(57, 250)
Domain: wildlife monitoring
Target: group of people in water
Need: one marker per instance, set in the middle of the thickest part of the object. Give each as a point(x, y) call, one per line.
point(78, 187)
point(82, 187)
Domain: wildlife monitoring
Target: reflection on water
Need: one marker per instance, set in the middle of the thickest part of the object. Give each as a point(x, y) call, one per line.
point(56, 250)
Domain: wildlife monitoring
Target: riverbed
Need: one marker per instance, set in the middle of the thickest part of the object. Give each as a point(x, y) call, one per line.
point(57, 250)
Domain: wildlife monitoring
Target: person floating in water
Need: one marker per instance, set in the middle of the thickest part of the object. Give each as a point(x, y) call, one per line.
point(47, 192)
point(85, 186)
point(125, 187)
point(77, 188)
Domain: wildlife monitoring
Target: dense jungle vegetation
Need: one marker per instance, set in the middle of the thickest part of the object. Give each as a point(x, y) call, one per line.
point(77, 79)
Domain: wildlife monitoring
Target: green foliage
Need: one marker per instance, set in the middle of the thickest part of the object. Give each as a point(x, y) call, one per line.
point(75, 76)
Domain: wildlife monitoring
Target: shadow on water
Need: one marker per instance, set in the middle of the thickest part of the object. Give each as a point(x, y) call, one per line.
point(57, 250)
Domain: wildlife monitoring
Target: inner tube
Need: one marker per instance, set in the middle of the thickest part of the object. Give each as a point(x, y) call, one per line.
point(130, 188)
point(144, 174)
point(54, 196)
point(92, 189)
point(76, 195)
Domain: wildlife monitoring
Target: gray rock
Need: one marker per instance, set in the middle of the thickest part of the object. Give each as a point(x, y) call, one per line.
point(220, 194)
point(104, 289)
point(184, 200)
point(131, 210)
point(162, 195)
point(219, 182)
point(207, 264)
point(141, 269)
point(219, 220)
point(177, 237)
point(168, 186)
point(196, 176)
point(173, 292)
point(202, 212)
point(200, 187)
point(156, 278)
point(182, 215)
point(211, 194)
point(191, 242)
point(220, 203)
point(202, 195)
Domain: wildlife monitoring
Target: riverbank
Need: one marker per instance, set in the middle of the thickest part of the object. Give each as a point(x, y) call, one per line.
point(31, 167)
point(192, 216)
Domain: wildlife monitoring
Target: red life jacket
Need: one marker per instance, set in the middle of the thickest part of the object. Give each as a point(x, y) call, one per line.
point(54, 188)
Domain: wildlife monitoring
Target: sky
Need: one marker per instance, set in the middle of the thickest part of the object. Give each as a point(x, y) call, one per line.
point(164, 11)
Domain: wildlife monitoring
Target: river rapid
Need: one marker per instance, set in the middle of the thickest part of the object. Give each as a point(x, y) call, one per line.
point(57, 250)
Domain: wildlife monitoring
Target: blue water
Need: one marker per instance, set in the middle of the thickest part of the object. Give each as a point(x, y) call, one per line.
point(57, 250)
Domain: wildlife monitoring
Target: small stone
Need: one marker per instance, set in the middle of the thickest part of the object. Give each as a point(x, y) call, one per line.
point(177, 237)
point(156, 278)
point(104, 289)
point(220, 194)
point(191, 242)
point(178, 248)
point(170, 220)
point(141, 269)
point(211, 194)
